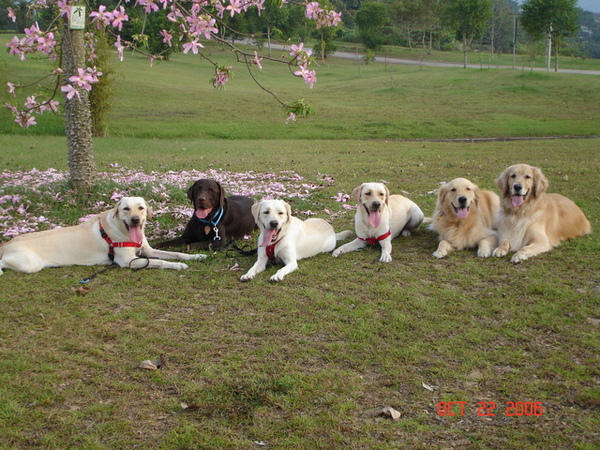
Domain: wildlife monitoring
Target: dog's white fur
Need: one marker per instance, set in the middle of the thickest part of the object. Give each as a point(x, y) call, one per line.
point(296, 239)
point(465, 217)
point(84, 245)
point(532, 221)
point(397, 213)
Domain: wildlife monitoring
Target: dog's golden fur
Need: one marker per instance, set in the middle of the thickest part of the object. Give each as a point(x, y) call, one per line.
point(464, 218)
point(532, 221)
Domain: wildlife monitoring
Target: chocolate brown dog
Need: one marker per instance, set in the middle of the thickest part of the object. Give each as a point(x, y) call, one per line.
point(217, 219)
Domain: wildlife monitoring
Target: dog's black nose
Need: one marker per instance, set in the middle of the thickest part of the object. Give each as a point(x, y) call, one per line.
point(375, 205)
point(517, 187)
point(135, 220)
point(273, 224)
point(462, 200)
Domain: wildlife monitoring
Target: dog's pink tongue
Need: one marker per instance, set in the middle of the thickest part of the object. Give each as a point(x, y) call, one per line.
point(517, 200)
point(202, 213)
point(462, 213)
point(375, 218)
point(135, 234)
point(267, 237)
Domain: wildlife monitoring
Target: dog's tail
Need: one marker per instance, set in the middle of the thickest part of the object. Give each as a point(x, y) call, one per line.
point(343, 235)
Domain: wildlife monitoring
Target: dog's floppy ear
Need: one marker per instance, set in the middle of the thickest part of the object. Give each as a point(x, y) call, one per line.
point(148, 210)
point(115, 210)
point(256, 211)
point(221, 194)
point(288, 210)
point(475, 190)
point(540, 182)
point(442, 192)
point(502, 183)
point(356, 193)
point(387, 193)
point(190, 192)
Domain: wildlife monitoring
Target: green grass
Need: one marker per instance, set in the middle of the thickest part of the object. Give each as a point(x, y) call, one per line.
point(352, 101)
point(304, 363)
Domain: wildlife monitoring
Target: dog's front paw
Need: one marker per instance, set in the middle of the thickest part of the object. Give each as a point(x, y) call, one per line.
point(439, 254)
point(199, 257)
point(405, 233)
point(246, 277)
point(179, 266)
point(385, 258)
point(499, 252)
point(276, 278)
point(336, 253)
point(518, 257)
point(484, 253)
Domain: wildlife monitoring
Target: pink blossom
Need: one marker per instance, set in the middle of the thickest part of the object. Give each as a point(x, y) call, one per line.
point(64, 7)
point(312, 10)
point(149, 4)
point(193, 46)
point(257, 60)
point(203, 24)
point(309, 76)
point(18, 47)
point(221, 76)
point(118, 17)
point(234, 7)
point(11, 88)
point(83, 79)
point(25, 120)
point(102, 16)
point(31, 102)
point(120, 48)
point(70, 91)
point(290, 118)
point(11, 14)
point(167, 37)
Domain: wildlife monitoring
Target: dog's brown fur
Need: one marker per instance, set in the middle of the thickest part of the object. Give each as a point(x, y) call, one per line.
point(532, 221)
point(464, 218)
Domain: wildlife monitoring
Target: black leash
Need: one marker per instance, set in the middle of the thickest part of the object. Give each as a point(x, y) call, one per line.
point(114, 266)
point(92, 276)
point(245, 250)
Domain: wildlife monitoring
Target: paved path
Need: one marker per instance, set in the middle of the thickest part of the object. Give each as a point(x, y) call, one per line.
point(413, 62)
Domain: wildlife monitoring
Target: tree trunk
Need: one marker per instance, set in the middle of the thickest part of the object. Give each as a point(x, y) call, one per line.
point(78, 116)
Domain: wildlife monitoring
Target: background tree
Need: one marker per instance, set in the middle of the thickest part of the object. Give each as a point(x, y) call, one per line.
point(370, 18)
point(468, 19)
point(552, 20)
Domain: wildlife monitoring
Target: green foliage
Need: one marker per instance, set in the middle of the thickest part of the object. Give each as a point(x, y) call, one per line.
point(541, 18)
point(102, 93)
point(369, 18)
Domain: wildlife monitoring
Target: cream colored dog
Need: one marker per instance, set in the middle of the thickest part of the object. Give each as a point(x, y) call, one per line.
point(465, 217)
point(532, 221)
point(380, 217)
point(287, 239)
point(115, 235)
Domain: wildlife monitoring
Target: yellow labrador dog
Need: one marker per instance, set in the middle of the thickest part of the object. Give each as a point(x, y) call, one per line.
point(287, 239)
point(532, 221)
point(115, 235)
point(379, 218)
point(465, 217)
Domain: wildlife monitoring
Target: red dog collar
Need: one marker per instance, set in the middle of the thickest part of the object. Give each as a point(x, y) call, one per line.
point(375, 240)
point(112, 245)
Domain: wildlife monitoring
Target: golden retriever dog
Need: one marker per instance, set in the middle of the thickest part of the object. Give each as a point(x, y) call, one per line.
point(532, 221)
point(115, 236)
point(379, 218)
point(464, 218)
point(287, 239)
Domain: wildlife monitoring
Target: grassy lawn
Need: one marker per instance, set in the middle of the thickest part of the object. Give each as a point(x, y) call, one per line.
point(309, 362)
